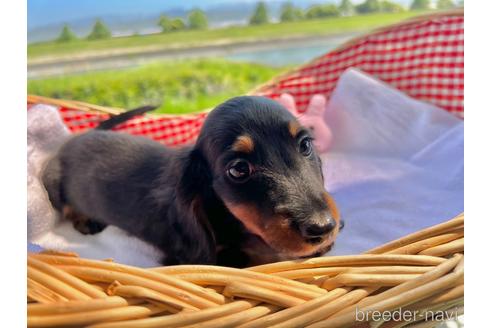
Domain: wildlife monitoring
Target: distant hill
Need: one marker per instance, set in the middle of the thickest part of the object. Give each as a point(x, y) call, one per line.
point(125, 20)
point(128, 24)
point(120, 25)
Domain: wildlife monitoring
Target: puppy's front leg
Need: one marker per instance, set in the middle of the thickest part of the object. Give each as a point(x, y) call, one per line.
point(180, 236)
point(186, 250)
point(232, 257)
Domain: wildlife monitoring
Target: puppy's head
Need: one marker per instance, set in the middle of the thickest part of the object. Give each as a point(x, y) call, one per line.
point(264, 168)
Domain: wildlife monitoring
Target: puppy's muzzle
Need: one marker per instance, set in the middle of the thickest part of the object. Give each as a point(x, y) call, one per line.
point(316, 230)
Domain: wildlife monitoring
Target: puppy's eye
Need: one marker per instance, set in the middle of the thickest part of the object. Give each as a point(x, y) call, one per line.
point(306, 146)
point(239, 170)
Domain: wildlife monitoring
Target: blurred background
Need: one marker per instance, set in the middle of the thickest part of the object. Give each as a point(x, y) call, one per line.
point(188, 55)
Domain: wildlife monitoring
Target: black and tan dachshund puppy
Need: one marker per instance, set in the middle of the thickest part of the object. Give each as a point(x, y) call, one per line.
point(249, 192)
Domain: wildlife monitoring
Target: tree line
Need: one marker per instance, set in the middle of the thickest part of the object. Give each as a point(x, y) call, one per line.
point(197, 19)
point(99, 31)
point(291, 13)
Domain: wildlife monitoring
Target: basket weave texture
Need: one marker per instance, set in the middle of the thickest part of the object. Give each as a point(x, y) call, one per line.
point(418, 278)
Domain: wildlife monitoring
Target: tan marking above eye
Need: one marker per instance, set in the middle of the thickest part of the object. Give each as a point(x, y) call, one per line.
point(294, 127)
point(243, 144)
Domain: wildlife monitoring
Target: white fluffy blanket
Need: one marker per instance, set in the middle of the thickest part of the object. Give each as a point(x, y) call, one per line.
point(396, 164)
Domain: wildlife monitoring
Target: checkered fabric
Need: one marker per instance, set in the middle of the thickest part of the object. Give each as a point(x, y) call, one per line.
point(423, 58)
point(169, 130)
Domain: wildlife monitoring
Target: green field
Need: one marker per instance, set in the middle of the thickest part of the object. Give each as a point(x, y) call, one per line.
point(179, 86)
point(230, 34)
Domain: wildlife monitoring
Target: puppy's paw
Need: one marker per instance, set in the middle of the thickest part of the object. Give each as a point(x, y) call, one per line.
point(88, 227)
point(82, 223)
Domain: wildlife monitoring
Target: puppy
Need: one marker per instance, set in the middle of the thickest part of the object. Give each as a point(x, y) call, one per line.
point(250, 190)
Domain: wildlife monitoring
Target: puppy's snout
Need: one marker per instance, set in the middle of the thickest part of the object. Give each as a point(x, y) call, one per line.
point(318, 229)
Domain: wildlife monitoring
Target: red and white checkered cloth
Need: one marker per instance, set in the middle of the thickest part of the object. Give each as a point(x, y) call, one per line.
point(170, 130)
point(423, 58)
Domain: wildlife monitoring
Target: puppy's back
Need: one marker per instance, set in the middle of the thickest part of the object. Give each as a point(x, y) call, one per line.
point(109, 175)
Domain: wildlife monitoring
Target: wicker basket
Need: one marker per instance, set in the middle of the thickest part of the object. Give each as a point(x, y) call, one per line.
point(418, 274)
point(419, 278)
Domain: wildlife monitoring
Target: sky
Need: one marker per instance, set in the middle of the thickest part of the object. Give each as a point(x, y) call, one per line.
point(46, 12)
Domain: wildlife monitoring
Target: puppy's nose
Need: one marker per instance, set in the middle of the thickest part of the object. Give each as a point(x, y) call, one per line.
point(319, 229)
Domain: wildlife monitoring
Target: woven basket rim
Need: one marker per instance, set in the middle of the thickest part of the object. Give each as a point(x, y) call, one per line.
point(98, 109)
point(419, 272)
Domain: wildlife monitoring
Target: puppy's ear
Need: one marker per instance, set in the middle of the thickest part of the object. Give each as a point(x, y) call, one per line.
point(196, 177)
point(193, 190)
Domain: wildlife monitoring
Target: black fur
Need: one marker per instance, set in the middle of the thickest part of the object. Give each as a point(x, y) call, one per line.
point(125, 116)
point(177, 199)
